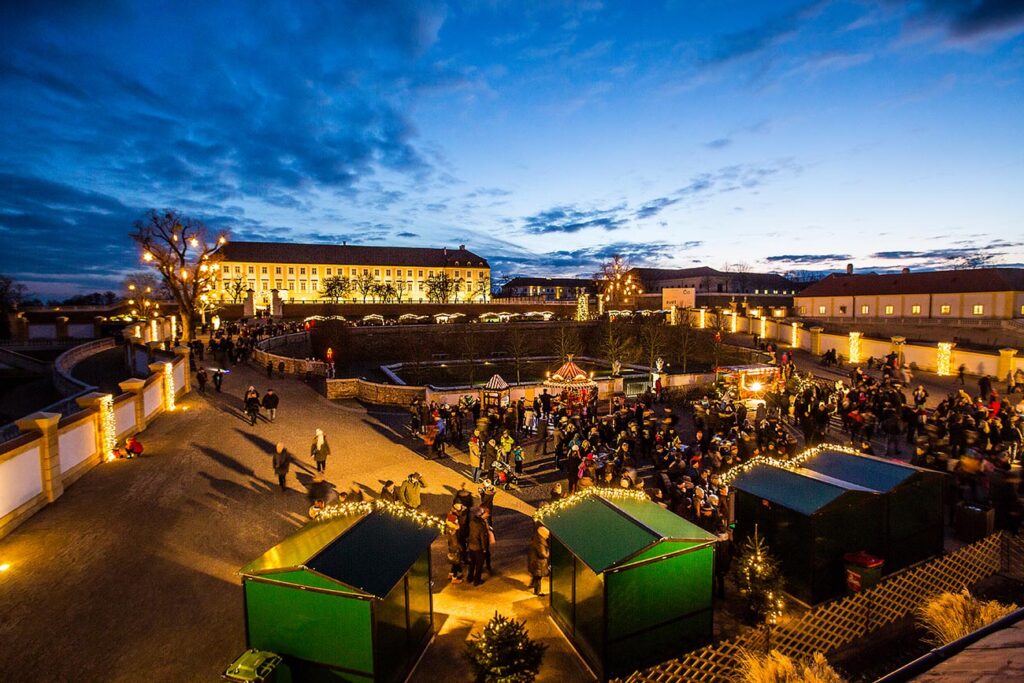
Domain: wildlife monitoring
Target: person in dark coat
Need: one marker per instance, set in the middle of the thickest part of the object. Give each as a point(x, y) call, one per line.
point(282, 461)
point(388, 494)
point(218, 378)
point(478, 543)
point(252, 404)
point(487, 492)
point(319, 450)
point(538, 555)
point(270, 401)
point(452, 533)
point(201, 379)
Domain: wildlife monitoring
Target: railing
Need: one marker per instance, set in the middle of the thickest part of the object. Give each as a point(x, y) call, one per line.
point(912, 320)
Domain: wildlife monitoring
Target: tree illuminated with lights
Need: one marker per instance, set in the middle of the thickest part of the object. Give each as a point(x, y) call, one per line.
point(186, 257)
point(617, 285)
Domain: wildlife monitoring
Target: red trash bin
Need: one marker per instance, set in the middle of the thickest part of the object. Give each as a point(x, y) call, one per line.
point(862, 570)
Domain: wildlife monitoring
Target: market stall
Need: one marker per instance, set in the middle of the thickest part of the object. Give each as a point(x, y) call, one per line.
point(630, 581)
point(347, 598)
point(496, 392)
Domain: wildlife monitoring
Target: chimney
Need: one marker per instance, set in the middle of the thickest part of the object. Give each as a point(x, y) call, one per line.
point(905, 271)
point(344, 243)
point(446, 252)
point(849, 269)
point(462, 247)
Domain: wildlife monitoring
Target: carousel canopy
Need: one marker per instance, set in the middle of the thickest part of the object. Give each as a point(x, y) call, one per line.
point(496, 383)
point(569, 376)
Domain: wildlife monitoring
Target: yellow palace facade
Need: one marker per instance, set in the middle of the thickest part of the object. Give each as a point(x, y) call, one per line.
point(298, 271)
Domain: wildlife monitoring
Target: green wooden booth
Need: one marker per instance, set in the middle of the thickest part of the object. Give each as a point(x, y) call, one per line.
point(631, 582)
point(838, 503)
point(346, 599)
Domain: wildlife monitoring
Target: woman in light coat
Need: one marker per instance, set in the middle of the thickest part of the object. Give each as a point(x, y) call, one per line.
point(320, 450)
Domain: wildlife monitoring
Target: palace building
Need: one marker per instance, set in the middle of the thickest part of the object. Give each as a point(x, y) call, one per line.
point(298, 271)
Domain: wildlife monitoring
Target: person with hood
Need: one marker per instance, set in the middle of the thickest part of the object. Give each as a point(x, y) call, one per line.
point(388, 494)
point(487, 492)
point(282, 462)
point(538, 562)
point(409, 492)
point(478, 543)
point(320, 450)
point(252, 404)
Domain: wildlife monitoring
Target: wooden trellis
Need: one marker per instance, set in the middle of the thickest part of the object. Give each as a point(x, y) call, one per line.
point(838, 623)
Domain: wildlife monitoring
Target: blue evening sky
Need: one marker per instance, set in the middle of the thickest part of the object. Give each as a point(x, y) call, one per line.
point(544, 135)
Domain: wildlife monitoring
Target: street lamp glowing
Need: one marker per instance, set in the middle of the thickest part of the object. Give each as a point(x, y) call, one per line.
point(222, 240)
point(5, 566)
point(147, 256)
point(193, 243)
point(756, 386)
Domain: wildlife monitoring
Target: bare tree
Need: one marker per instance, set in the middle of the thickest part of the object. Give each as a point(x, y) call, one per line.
point(684, 335)
point(365, 285)
point(336, 288)
point(186, 258)
point(652, 339)
point(519, 345)
point(617, 283)
point(442, 287)
point(11, 294)
point(616, 342)
point(469, 351)
point(567, 341)
point(236, 289)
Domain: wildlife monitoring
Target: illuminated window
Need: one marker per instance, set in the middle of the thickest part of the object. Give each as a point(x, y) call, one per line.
point(421, 273)
point(264, 285)
point(376, 272)
point(821, 310)
point(252, 270)
point(291, 270)
point(864, 310)
point(387, 272)
point(330, 270)
point(302, 271)
point(979, 309)
point(277, 270)
point(1022, 309)
point(889, 309)
point(944, 309)
point(263, 270)
point(238, 269)
point(277, 284)
point(915, 309)
point(302, 285)
point(312, 271)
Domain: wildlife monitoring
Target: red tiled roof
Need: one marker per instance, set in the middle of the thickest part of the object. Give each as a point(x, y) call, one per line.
point(345, 254)
point(923, 282)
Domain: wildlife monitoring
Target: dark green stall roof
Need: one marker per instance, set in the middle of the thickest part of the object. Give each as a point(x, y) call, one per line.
point(803, 490)
point(366, 554)
point(868, 471)
point(605, 533)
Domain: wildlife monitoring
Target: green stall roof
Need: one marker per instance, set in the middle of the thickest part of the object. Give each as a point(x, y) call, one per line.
point(367, 554)
point(803, 490)
point(868, 471)
point(605, 533)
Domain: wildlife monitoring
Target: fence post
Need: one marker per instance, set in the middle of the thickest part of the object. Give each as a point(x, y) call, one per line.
point(49, 450)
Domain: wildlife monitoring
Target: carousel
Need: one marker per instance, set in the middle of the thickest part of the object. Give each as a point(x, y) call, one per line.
point(571, 384)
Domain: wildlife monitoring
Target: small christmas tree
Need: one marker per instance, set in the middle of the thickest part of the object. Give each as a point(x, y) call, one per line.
point(759, 581)
point(504, 652)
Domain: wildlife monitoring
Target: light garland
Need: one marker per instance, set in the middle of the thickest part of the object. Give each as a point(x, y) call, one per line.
point(702, 318)
point(734, 325)
point(366, 507)
point(855, 347)
point(582, 308)
point(673, 315)
point(600, 305)
point(169, 385)
point(792, 464)
point(944, 359)
point(557, 506)
point(152, 330)
point(764, 327)
point(795, 338)
point(174, 327)
point(108, 428)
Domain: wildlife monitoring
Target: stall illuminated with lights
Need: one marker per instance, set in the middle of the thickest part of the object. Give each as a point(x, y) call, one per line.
point(496, 392)
point(346, 597)
point(630, 581)
point(750, 381)
point(571, 378)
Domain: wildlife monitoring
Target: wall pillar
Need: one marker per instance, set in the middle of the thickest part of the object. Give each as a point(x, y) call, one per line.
point(249, 307)
point(62, 327)
point(1005, 366)
point(275, 303)
point(134, 387)
point(183, 352)
point(105, 440)
point(49, 450)
point(896, 346)
point(816, 340)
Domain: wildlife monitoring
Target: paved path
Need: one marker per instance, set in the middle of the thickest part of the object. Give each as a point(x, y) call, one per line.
point(131, 575)
point(997, 658)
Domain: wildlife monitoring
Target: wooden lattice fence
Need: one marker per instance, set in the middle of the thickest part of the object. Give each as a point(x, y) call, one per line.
point(838, 623)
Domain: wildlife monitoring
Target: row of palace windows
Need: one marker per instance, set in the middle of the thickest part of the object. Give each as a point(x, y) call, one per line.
point(314, 286)
point(944, 309)
point(330, 271)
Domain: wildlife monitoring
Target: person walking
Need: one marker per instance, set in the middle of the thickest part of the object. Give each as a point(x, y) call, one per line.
point(282, 462)
point(474, 455)
point(409, 492)
point(477, 544)
point(453, 536)
point(252, 404)
point(538, 558)
point(218, 379)
point(270, 401)
point(320, 450)
point(201, 379)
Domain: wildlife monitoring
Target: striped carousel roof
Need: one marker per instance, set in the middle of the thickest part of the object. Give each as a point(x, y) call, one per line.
point(496, 383)
point(570, 372)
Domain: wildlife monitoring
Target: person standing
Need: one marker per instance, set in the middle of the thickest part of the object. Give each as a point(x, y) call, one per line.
point(409, 492)
point(218, 379)
point(320, 450)
point(538, 562)
point(478, 544)
point(270, 401)
point(201, 379)
point(452, 535)
point(282, 462)
point(474, 455)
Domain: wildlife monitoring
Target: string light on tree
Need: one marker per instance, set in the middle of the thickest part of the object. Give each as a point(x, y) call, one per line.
point(169, 385)
point(108, 428)
point(944, 359)
point(582, 307)
point(855, 347)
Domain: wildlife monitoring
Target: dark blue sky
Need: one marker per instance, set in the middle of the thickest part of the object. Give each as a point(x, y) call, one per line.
point(545, 135)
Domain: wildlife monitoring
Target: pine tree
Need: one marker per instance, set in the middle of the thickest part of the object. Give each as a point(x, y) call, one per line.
point(504, 652)
point(759, 580)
